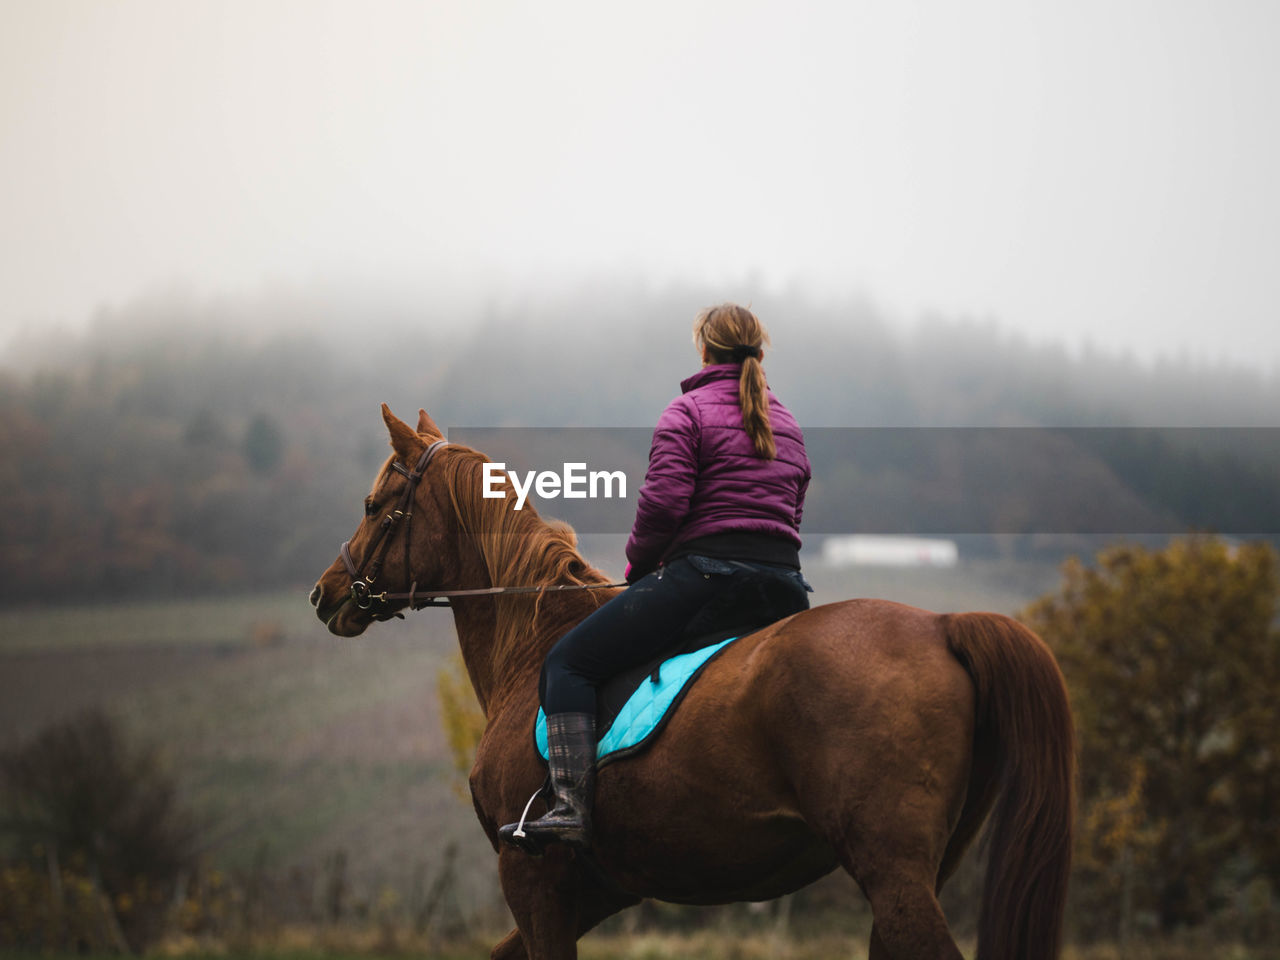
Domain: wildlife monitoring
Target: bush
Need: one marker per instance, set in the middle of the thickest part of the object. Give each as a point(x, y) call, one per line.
point(95, 814)
point(1172, 658)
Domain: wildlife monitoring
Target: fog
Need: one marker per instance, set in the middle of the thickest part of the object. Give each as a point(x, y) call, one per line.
point(1078, 173)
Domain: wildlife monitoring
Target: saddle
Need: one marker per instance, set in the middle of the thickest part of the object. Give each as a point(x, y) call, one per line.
point(640, 700)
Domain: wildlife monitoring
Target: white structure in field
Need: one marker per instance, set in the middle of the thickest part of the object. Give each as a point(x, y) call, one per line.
point(866, 550)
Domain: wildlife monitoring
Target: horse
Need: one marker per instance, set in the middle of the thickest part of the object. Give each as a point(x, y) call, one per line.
point(864, 734)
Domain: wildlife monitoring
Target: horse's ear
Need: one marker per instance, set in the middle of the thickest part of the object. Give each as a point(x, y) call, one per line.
point(403, 439)
point(427, 425)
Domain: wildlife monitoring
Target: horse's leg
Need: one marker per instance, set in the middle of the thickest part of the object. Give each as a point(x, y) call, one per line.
point(908, 921)
point(877, 950)
point(892, 843)
point(510, 947)
point(553, 904)
point(543, 896)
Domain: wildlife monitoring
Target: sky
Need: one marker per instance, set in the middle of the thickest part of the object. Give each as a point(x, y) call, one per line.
point(1078, 172)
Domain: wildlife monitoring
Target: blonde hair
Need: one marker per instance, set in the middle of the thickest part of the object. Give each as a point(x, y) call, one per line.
point(729, 333)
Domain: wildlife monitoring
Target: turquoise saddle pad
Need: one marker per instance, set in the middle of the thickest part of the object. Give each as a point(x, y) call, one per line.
point(643, 714)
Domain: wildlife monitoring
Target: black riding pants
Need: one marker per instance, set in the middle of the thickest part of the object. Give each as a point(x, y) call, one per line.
point(649, 619)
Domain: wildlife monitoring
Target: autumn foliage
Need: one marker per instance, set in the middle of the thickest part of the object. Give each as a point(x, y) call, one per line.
point(1172, 657)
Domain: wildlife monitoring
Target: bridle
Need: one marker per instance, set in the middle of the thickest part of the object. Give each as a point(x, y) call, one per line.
point(362, 583)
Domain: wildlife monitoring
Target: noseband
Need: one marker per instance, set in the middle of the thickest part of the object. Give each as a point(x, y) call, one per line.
point(362, 583)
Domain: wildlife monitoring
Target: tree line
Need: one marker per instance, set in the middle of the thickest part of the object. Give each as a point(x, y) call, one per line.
point(192, 447)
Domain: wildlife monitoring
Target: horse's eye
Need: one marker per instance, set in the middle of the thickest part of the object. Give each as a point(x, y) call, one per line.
point(370, 509)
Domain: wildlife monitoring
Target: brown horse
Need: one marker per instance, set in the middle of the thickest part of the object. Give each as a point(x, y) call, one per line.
point(864, 734)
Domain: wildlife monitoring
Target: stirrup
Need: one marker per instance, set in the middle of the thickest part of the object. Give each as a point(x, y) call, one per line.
point(517, 837)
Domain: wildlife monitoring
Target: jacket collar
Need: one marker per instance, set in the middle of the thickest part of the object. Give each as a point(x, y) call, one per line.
point(710, 373)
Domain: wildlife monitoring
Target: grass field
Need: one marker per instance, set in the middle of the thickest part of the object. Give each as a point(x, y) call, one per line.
point(219, 622)
point(293, 744)
point(290, 744)
point(657, 946)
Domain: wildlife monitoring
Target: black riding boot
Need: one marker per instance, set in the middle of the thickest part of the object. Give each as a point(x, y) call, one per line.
point(571, 758)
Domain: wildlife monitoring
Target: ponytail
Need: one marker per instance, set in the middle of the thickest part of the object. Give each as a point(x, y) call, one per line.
point(754, 397)
point(733, 334)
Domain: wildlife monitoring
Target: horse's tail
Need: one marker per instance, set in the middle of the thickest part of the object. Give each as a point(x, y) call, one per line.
point(1024, 761)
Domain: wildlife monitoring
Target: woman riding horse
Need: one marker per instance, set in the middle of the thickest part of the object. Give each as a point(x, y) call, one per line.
point(862, 734)
point(721, 504)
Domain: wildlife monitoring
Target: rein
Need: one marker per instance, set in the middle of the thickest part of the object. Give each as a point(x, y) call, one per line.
point(362, 583)
point(427, 598)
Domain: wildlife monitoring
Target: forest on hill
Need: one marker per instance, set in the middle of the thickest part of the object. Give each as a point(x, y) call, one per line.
point(180, 446)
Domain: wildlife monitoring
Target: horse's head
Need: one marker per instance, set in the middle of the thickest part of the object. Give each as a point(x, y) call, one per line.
point(398, 542)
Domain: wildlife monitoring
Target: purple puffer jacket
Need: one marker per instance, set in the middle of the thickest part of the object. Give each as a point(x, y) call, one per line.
point(704, 475)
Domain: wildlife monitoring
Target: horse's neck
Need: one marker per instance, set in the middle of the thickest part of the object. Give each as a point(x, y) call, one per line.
point(500, 671)
point(474, 622)
point(504, 641)
point(505, 666)
point(474, 619)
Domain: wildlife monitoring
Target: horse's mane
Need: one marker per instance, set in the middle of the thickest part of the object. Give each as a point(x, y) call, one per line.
point(520, 548)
